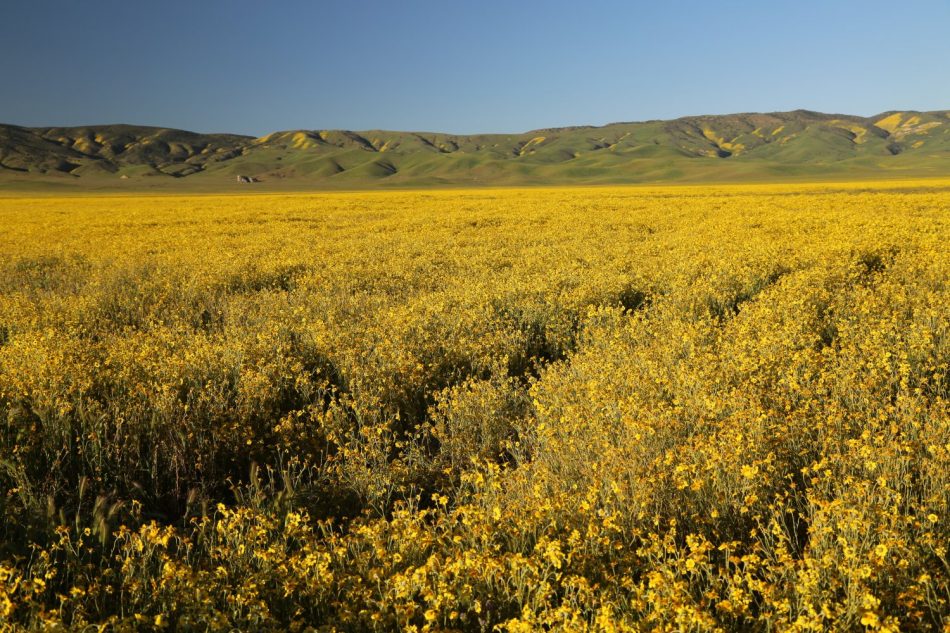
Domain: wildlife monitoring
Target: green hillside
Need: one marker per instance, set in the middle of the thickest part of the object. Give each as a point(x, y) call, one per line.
point(738, 147)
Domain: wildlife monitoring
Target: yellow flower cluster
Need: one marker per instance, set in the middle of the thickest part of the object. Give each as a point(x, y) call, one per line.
point(613, 409)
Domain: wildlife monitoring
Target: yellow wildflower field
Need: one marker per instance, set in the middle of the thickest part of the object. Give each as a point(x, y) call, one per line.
point(646, 408)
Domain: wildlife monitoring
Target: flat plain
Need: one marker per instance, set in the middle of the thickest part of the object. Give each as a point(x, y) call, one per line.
point(667, 408)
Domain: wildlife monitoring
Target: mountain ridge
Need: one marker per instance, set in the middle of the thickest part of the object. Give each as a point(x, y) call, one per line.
point(700, 148)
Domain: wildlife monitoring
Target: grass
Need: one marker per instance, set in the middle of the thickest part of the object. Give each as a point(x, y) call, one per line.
point(731, 148)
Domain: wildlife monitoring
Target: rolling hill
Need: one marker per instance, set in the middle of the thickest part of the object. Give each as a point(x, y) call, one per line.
point(737, 147)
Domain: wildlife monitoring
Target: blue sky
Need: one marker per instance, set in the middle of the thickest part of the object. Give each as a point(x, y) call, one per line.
point(487, 66)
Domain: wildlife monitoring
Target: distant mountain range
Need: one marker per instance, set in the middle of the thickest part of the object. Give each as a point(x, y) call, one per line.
point(736, 147)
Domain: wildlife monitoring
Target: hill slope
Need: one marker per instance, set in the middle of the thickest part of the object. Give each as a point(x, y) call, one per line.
point(799, 144)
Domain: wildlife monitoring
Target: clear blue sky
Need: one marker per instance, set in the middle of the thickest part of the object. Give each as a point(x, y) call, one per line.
point(479, 66)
